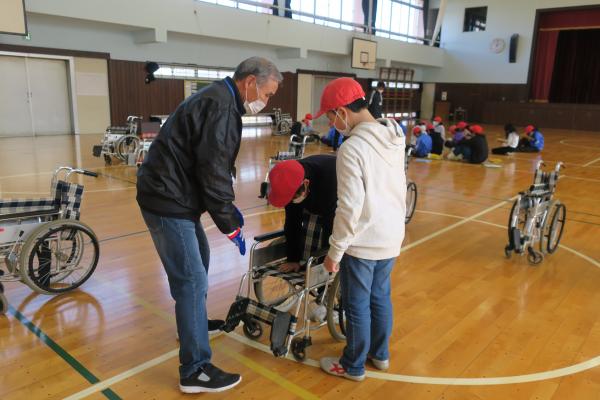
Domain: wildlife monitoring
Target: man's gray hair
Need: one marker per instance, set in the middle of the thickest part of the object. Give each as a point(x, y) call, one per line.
point(260, 67)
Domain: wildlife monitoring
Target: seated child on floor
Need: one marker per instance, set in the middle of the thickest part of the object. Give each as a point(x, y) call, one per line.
point(511, 143)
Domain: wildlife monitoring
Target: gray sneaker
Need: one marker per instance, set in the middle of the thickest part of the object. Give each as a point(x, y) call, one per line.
point(382, 365)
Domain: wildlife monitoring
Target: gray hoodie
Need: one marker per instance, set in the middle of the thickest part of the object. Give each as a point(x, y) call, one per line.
point(371, 208)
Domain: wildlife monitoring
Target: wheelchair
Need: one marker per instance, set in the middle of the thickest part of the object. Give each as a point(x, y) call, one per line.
point(42, 242)
point(411, 188)
point(120, 141)
point(282, 122)
point(283, 299)
point(537, 220)
point(295, 151)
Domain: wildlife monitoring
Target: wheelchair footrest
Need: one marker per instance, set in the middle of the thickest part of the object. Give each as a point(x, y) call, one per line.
point(515, 240)
point(279, 332)
point(282, 323)
point(236, 313)
point(97, 151)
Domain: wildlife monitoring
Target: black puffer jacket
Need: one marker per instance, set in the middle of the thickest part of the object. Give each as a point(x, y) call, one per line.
point(189, 167)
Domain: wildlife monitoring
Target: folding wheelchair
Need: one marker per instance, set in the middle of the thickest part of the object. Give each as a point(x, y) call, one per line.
point(537, 220)
point(283, 299)
point(43, 243)
point(120, 142)
point(295, 151)
point(282, 122)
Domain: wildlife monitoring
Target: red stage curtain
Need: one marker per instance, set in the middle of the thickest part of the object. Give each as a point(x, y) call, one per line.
point(545, 52)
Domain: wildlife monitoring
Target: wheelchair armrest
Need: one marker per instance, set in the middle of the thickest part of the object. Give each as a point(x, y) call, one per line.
point(318, 257)
point(269, 236)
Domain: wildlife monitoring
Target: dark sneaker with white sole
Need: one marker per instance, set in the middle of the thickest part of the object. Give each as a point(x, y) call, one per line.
point(209, 379)
point(215, 326)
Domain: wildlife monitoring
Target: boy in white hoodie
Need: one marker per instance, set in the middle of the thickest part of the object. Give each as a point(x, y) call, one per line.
point(368, 228)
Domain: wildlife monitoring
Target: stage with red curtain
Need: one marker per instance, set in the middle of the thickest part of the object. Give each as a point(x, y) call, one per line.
point(567, 60)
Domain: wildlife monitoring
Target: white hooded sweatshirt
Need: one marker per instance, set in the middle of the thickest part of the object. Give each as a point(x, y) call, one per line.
point(371, 207)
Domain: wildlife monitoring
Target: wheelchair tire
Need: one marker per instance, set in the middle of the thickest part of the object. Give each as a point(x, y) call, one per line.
point(283, 128)
point(298, 348)
point(411, 201)
point(557, 226)
point(534, 257)
point(3, 304)
point(252, 329)
point(336, 318)
point(126, 145)
point(53, 244)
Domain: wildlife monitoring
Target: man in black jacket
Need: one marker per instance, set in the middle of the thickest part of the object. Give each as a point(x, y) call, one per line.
point(310, 185)
point(376, 101)
point(188, 171)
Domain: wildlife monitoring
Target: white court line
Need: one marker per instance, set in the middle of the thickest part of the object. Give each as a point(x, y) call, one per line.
point(98, 387)
point(505, 380)
point(591, 162)
point(457, 224)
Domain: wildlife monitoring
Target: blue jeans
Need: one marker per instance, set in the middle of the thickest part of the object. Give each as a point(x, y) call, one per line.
point(183, 249)
point(368, 307)
point(464, 150)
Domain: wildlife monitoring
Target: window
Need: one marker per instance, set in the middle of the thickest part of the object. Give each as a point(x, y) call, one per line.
point(475, 18)
point(396, 19)
point(191, 72)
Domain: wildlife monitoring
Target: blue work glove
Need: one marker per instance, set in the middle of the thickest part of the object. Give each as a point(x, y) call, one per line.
point(238, 213)
point(237, 237)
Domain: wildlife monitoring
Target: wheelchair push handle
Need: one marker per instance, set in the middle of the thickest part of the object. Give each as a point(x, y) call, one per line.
point(88, 173)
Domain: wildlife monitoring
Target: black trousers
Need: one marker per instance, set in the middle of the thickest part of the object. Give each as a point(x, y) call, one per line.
point(365, 8)
point(503, 150)
point(288, 4)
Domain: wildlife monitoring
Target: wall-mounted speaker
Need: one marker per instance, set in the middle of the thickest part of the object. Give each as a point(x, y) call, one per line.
point(512, 53)
point(151, 68)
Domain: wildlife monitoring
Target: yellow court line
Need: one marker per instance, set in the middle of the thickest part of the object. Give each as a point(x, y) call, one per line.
point(267, 373)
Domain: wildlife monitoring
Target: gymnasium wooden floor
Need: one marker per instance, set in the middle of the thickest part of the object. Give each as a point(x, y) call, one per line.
point(469, 324)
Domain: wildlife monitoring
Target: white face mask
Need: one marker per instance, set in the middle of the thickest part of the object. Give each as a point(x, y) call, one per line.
point(256, 106)
point(435, 123)
point(346, 130)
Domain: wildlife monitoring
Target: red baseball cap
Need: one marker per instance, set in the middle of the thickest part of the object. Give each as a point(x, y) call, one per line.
point(461, 125)
point(529, 128)
point(438, 119)
point(308, 116)
point(338, 93)
point(285, 178)
point(452, 128)
point(476, 129)
point(430, 126)
point(416, 129)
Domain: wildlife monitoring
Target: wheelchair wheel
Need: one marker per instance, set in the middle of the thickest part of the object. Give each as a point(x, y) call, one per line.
point(336, 318)
point(516, 221)
point(298, 348)
point(107, 159)
point(557, 226)
point(3, 304)
point(283, 127)
point(59, 256)
point(126, 145)
point(411, 201)
point(252, 329)
point(534, 257)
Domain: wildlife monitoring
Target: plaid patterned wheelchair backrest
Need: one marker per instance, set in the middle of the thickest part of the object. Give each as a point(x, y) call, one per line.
point(312, 227)
point(68, 195)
